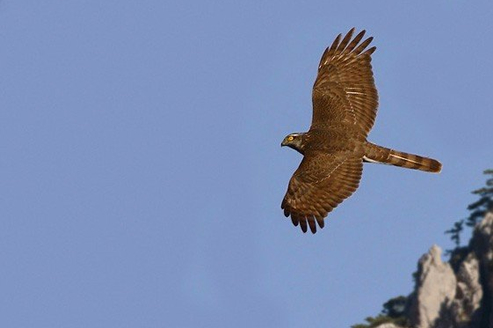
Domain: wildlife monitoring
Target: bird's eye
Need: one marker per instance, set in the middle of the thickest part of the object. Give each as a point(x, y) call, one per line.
point(290, 138)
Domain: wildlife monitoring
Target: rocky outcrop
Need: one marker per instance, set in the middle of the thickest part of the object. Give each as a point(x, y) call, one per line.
point(435, 289)
point(460, 298)
point(482, 245)
point(469, 293)
point(443, 298)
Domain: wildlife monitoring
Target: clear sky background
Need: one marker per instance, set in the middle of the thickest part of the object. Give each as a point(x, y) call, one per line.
point(142, 172)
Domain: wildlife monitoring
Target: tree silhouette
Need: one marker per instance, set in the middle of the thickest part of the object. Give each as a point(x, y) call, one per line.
point(455, 232)
point(485, 202)
point(478, 210)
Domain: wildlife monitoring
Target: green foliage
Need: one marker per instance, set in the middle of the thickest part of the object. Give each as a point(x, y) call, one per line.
point(478, 211)
point(394, 311)
point(395, 307)
point(381, 319)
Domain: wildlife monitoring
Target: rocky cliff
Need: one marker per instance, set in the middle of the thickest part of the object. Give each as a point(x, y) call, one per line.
point(454, 294)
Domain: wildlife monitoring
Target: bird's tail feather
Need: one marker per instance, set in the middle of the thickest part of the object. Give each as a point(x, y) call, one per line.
point(382, 155)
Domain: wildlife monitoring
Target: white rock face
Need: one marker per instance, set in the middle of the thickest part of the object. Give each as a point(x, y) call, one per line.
point(444, 300)
point(482, 244)
point(388, 325)
point(469, 291)
point(435, 289)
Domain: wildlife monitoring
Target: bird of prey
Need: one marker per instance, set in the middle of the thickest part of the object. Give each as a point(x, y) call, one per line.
point(345, 104)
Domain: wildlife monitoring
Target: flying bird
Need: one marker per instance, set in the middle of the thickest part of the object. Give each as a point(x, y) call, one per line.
point(345, 102)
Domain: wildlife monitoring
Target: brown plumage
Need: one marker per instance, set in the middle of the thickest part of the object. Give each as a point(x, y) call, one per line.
point(345, 103)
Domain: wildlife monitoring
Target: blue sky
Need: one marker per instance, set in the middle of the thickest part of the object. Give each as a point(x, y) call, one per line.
point(142, 174)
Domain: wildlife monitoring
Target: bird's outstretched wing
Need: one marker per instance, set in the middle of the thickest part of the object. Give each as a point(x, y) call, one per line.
point(321, 182)
point(344, 91)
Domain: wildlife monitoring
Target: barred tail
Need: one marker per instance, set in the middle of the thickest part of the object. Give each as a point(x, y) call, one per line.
point(382, 155)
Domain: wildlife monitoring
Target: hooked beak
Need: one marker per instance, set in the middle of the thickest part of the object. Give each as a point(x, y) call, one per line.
point(283, 143)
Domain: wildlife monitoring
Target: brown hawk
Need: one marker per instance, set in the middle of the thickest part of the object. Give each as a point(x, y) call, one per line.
point(345, 104)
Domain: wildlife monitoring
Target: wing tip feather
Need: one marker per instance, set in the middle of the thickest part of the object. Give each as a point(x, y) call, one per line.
point(306, 221)
point(345, 45)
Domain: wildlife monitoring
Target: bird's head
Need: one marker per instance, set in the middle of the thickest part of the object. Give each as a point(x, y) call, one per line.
point(294, 140)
